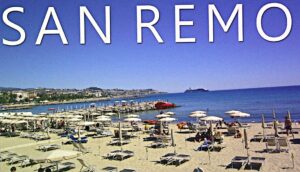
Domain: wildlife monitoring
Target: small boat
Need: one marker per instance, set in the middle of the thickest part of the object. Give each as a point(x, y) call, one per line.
point(164, 105)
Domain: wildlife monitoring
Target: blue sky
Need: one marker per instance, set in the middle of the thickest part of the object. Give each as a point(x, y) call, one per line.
point(173, 67)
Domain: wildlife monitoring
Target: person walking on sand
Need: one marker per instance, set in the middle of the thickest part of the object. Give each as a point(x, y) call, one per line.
point(288, 125)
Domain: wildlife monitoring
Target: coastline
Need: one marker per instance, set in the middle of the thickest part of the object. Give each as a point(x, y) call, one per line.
point(31, 105)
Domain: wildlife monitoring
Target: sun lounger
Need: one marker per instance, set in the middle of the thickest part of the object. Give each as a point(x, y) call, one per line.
point(291, 132)
point(119, 155)
point(257, 138)
point(129, 136)
point(39, 137)
point(25, 135)
point(179, 159)
point(271, 145)
point(283, 142)
point(255, 163)
point(26, 162)
point(12, 134)
point(3, 154)
point(110, 169)
point(48, 147)
point(45, 166)
point(85, 166)
point(17, 159)
point(8, 156)
point(165, 158)
point(65, 166)
point(208, 145)
point(158, 145)
point(150, 139)
point(128, 170)
point(103, 133)
point(124, 155)
point(238, 162)
point(174, 159)
point(116, 142)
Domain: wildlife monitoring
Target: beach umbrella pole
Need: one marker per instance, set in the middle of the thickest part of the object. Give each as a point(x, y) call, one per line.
point(208, 151)
point(293, 160)
point(146, 153)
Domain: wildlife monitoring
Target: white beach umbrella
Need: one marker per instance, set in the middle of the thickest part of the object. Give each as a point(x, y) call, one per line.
point(132, 120)
point(41, 118)
point(86, 123)
point(3, 114)
point(211, 118)
point(74, 120)
point(167, 119)
point(13, 117)
point(239, 115)
point(132, 116)
point(78, 116)
point(103, 116)
point(20, 122)
point(232, 111)
point(6, 121)
point(162, 116)
point(29, 118)
point(197, 115)
point(169, 113)
point(43, 113)
point(95, 114)
point(28, 114)
point(110, 114)
point(199, 111)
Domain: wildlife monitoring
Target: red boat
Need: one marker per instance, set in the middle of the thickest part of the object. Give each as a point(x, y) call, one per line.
point(164, 105)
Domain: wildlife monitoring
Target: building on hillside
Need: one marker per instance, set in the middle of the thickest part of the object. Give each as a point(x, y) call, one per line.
point(21, 95)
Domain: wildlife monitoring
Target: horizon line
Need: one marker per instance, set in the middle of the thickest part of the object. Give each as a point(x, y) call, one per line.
point(229, 89)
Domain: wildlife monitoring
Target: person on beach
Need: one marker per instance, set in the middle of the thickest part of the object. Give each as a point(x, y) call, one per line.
point(275, 125)
point(288, 125)
point(238, 134)
point(13, 169)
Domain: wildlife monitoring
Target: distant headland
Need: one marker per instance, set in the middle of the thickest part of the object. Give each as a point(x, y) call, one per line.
point(190, 90)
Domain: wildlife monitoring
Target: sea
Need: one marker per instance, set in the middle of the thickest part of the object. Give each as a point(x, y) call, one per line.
point(256, 101)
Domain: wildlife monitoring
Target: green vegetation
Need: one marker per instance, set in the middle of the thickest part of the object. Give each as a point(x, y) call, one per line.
point(6, 98)
point(61, 97)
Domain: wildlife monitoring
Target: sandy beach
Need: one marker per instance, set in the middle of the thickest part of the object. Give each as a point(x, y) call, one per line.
point(141, 162)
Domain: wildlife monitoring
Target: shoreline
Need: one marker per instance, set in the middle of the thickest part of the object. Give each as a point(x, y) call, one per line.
point(31, 105)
